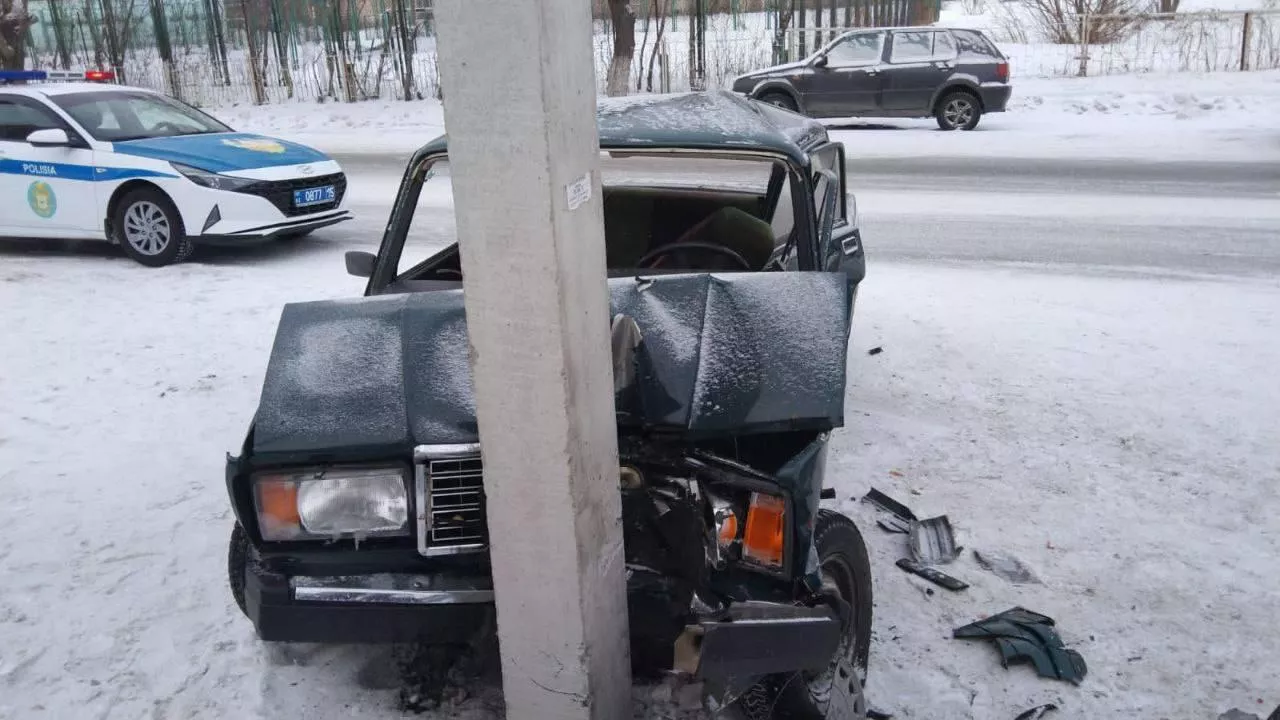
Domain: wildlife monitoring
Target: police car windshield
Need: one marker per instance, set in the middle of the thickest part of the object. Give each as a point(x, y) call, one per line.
point(117, 116)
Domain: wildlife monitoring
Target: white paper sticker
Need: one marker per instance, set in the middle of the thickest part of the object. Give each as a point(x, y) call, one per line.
point(578, 191)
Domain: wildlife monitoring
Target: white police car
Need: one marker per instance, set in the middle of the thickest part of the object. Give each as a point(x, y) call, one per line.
point(150, 173)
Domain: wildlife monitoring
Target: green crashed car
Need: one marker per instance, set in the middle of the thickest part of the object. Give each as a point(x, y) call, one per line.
point(734, 258)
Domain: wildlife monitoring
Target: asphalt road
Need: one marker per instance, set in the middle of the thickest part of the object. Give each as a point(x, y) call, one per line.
point(1211, 217)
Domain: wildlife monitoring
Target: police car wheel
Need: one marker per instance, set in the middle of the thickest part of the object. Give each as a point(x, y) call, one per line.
point(149, 229)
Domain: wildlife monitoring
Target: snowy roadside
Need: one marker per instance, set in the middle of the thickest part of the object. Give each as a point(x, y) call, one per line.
point(1178, 117)
point(1115, 434)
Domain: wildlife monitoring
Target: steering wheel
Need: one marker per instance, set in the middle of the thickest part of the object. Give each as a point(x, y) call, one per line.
point(648, 260)
point(174, 128)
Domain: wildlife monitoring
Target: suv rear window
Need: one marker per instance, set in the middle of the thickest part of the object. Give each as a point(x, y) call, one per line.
point(974, 44)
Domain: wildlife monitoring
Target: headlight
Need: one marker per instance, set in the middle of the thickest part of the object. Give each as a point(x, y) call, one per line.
point(212, 180)
point(334, 503)
point(761, 540)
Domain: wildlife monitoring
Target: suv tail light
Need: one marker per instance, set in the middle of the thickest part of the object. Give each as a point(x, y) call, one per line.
point(1002, 72)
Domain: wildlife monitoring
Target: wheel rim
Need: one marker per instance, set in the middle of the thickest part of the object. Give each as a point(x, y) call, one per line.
point(837, 577)
point(779, 101)
point(146, 228)
point(958, 112)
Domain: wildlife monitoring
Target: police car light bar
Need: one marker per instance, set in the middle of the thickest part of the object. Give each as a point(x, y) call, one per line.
point(12, 76)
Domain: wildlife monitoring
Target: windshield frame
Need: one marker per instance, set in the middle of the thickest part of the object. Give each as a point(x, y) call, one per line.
point(385, 272)
point(68, 102)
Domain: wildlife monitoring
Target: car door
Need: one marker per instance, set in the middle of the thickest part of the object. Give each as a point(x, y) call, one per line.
point(44, 191)
point(846, 79)
point(835, 231)
point(920, 61)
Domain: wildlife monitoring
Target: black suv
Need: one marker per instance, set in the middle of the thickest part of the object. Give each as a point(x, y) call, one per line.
point(952, 74)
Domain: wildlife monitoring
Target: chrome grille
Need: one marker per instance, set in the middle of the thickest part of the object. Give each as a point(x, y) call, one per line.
point(451, 511)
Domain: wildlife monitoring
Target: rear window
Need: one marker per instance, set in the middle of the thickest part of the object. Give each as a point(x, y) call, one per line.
point(974, 44)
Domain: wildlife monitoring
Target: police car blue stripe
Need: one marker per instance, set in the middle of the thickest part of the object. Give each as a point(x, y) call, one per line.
point(63, 171)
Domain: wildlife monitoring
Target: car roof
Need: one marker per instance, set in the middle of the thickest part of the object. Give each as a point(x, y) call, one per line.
point(716, 120)
point(51, 89)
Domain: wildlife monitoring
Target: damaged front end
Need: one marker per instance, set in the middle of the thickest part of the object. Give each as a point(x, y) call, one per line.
point(726, 389)
point(722, 582)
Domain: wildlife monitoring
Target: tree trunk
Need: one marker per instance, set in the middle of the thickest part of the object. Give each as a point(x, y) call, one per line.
point(1169, 6)
point(14, 22)
point(624, 46)
point(660, 13)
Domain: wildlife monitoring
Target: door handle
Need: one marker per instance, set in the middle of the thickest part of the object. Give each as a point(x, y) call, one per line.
point(872, 73)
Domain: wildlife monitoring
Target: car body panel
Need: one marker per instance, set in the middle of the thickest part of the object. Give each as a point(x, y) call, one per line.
point(740, 353)
point(69, 192)
point(222, 152)
point(696, 121)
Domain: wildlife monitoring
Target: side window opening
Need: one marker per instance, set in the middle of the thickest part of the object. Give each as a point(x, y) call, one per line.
point(827, 158)
point(856, 50)
point(944, 46)
point(912, 46)
point(972, 44)
point(18, 120)
point(433, 226)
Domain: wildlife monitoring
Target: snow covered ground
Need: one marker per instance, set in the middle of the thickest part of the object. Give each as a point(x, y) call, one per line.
point(1210, 116)
point(1115, 433)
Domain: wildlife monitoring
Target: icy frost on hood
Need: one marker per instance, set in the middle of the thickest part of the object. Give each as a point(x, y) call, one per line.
point(736, 353)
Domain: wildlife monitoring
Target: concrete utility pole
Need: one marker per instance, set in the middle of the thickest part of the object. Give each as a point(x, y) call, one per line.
point(520, 98)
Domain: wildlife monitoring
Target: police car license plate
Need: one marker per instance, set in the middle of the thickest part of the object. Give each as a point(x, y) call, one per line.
point(314, 196)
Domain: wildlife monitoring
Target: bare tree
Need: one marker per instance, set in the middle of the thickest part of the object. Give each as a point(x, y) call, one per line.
point(1169, 6)
point(623, 19)
point(14, 22)
point(660, 13)
point(1093, 22)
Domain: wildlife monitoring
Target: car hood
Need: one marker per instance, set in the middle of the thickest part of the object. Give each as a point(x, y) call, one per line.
point(720, 355)
point(221, 152)
point(776, 70)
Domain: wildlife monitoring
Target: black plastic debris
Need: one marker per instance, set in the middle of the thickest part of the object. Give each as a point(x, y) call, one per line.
point(1037, 712)
point(900, 516)
point(937, 577)
point(874, 713)
point(1006, 566)
point(1022, 635)
point(932, 541)
point(875, 350)
point(1238, 714)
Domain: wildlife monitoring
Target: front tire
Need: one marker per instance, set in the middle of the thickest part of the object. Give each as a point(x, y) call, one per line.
point(780, 99)
point(958, 111)
point(846, 572)
point(149, 228)
point(238, 565)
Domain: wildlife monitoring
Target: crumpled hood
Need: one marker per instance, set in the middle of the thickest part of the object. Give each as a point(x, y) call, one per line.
point(221, 152)
point(720, 354)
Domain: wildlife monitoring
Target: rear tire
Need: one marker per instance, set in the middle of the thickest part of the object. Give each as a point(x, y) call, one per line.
point(846, 570)
point(780, 99)
point(958, 110)
point(237, 565)
point(149, 229)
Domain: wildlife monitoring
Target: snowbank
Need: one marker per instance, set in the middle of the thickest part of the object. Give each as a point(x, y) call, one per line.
point(1211, 116)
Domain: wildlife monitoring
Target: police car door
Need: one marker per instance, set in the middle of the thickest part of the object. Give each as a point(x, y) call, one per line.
point(45, 191)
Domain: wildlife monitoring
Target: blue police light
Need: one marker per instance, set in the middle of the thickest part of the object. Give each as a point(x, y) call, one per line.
point(22, 75)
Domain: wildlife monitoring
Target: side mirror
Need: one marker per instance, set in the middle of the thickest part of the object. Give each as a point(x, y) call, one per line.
point(360, 263)
point(49, 137)
point(820, 61)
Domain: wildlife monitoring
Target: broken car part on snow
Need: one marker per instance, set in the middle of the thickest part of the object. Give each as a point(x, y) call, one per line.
point(359, 491)
point(1023, 635)
point(930, 541)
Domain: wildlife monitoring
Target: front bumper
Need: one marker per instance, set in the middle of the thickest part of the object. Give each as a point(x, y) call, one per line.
point(381, 608)
point(264, 233)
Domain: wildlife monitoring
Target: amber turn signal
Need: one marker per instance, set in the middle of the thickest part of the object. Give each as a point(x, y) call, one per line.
point(766, 530)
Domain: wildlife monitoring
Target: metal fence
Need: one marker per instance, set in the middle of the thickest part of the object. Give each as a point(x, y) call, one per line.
point(227, 52)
